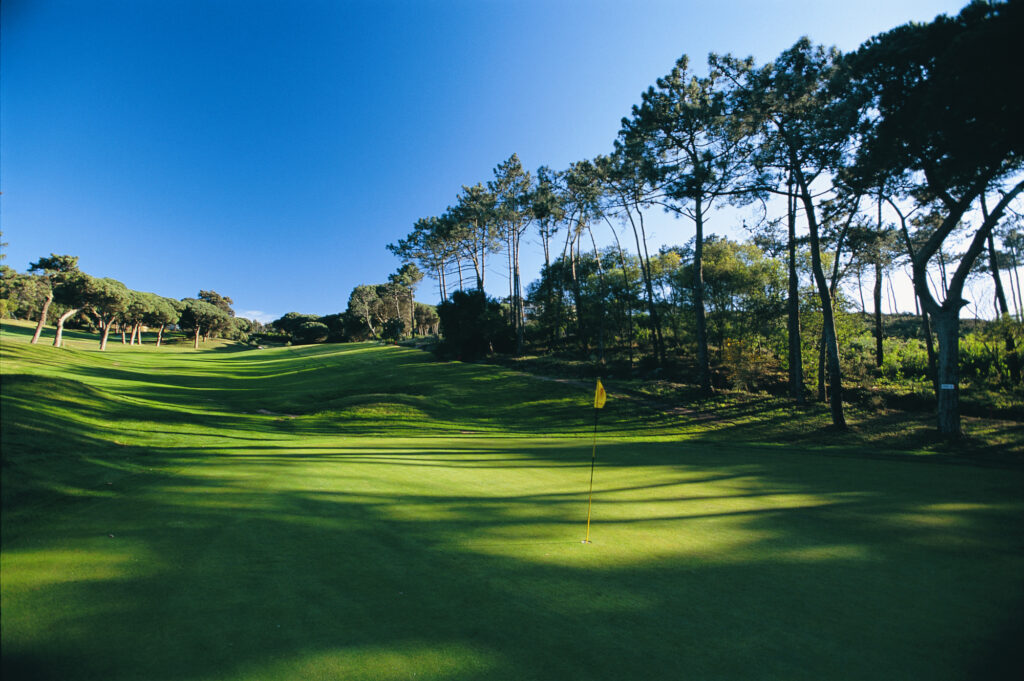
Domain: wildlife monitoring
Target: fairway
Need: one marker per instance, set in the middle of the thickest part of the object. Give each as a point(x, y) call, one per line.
point(359, 511)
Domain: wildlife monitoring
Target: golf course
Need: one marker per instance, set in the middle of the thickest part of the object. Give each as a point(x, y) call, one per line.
point(365, 511)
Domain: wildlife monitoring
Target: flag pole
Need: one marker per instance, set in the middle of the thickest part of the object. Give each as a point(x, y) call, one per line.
point(593, 460)
point(599, 399)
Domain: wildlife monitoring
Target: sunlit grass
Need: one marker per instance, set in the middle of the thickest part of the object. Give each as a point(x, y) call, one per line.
point(364, 512)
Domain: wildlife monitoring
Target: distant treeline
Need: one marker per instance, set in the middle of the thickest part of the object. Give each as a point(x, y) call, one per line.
point(375, 312)
point(55, 289)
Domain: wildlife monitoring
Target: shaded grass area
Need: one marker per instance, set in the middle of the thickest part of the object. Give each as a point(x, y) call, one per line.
point(894, 417)
point(155, 526)
point(734, 415)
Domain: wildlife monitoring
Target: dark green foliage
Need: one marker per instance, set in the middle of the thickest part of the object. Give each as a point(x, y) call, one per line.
point(24, 294)
point(744, 289)
point(55, 266)
point(983, 356)
point(474, 326)
point(200, 318)
point(53, 272)
point(72, 289)
point(393, 330)
point(310, 332)
point(107, 298)
point(166, 312)
point(336, 326)
point(290, 323)
point(222, 325)
point(427, 320)
point(941, 95)
point(303, 329)
point(217, 300)
point(370, 306)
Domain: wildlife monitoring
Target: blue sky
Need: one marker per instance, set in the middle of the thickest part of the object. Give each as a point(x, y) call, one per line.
point(269, 150)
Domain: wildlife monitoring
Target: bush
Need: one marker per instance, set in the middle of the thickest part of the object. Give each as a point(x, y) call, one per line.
point(474, 326)
point(904, 359)
point(310, 332)
point(393, 330)
point(269, 338)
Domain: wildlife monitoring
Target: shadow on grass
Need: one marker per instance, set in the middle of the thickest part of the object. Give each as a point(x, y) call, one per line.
point(365, 389)
point(718, 562)
point(234, 545)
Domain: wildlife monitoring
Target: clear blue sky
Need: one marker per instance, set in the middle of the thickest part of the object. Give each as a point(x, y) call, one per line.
point(269, 150)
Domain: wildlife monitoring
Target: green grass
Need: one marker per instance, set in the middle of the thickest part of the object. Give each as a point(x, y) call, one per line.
point(362, 512)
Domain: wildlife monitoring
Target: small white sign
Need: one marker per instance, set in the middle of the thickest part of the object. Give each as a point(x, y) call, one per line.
point(948, 386)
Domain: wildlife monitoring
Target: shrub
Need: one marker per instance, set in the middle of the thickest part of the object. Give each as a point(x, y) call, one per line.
point(310, 332)
point(393, 330)
point(473, 325)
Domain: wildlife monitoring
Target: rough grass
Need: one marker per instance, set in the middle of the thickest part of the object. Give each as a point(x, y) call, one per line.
point(362, 512)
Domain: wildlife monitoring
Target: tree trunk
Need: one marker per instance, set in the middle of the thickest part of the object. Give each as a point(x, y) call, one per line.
point(195, 344)
point(625, 304)
point(577, 295)
point(1015, 272)
point(412, 316)
point(947, 327)
point(942, 273)
point(703, 361)
point(160, 335)
point(835, 375)
point(929, 344)
point(602, 313)
point(796, 362)
point(822, 392)
point(947, 315)
point(106, 335)
point(1012, 360)
point(552, 313)
point(1013, 294)
point(860, 290)
point(645, 271)
point(548, 301)
point(520, 316)
point(58, 338)
point(483, 260)
point(879, 353)
point(42, 318)
point(511, 285)
point(919, 280)
point(369, 323)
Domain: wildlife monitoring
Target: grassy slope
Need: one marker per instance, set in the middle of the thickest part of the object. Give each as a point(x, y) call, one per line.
point(395, 517)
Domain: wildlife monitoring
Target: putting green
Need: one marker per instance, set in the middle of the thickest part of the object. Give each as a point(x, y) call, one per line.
point(362, 512)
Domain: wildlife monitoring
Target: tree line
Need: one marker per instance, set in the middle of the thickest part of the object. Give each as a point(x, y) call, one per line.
point(908, 150)
point(384, 312)
point(54, 288)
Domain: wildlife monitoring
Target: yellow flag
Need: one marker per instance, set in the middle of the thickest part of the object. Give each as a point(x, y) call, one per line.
point(599, 395)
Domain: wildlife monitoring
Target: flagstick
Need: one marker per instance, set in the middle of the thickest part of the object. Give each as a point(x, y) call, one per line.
point(593, 459)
